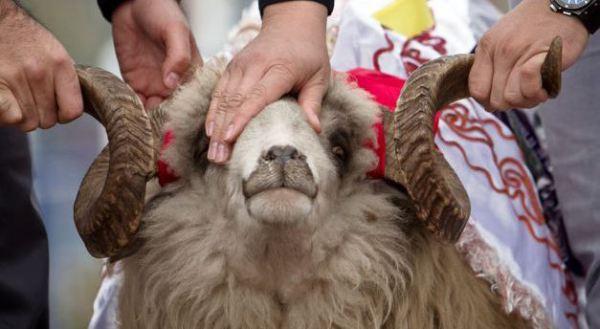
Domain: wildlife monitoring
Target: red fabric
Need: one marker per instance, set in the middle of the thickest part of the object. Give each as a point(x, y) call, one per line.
point(166, 174)
point(385, 90)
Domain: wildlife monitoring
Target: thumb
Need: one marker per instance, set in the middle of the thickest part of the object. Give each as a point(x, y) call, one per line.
point(178, 55)
point(310, 99)
point(10, 112)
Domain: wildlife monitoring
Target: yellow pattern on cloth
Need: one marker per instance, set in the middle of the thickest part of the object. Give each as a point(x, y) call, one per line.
point(406, 17)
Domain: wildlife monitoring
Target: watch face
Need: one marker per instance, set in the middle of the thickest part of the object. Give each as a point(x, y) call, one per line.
point(573, 4)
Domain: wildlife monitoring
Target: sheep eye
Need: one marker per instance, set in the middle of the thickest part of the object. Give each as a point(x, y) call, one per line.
point(340, 148)
point(339, 152)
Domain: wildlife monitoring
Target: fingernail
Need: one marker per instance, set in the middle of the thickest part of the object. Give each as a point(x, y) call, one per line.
point(315, 122)
point(211, 128)
point(229, 133)
point(212, 151)
point(221, 153)
point(225, 154)
point(172, 80)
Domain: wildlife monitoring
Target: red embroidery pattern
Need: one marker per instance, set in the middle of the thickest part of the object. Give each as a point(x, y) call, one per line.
point(377, 54)
point(515, 183)
point(411, 54)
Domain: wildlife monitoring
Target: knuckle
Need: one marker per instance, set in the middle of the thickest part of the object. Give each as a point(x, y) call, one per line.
point(29, 124)
point(235, 68)
point(234, 100)
point(513, 98)
point(48, 123)
point(477, 92)
point(259, 91)
point(178, 26)
point(283, 68)
point(497, 104)
point(486, 43)
point(62, 60)
point(528, 73)
point(505, 49)
point(71, 114)
point(36, 71)
point(222, 108)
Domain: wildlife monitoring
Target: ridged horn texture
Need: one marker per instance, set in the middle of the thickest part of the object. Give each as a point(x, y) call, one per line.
point(111, 196)
point(414, 162)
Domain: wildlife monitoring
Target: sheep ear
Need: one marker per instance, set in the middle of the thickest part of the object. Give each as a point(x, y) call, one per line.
point(412, 159)
point(186, 113)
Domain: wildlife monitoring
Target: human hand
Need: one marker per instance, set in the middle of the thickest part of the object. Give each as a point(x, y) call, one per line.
point(508, 60)
point(288, 55)
point(154, 46)
point(38, 83)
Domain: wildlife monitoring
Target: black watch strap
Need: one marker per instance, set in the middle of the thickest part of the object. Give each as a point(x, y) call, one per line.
point(264, 3)
point(590, 17)
point(107, 7)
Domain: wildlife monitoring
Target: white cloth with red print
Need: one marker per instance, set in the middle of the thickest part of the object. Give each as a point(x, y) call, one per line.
point(505, 241)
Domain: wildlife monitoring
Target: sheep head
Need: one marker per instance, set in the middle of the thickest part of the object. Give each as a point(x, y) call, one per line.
point(280, 169)
point(281, 172)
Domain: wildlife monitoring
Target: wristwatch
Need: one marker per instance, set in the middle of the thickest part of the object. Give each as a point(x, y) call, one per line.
point(587, 11)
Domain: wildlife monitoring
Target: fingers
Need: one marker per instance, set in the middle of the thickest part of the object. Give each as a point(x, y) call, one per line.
point(239, 96)
point(482, 72)
point(531, 79)
point(39, 93)
point(68, 92)
point(524, 87)
point(310, 99)
point(41, 82)
point(152, 102)
point(10, 112)
point(178, 54)
point(505, 77)
point(22, 92)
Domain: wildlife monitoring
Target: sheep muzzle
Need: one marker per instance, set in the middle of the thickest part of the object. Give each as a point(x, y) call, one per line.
point(281, 168)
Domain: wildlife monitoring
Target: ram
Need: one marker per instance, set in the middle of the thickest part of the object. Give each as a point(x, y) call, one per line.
point(290, 233)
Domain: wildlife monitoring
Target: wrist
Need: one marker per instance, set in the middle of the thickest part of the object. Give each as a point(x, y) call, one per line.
point(586, 12)
point(305, 17)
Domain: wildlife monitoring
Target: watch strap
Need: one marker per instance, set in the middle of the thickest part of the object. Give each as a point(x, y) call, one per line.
point(264, 3)
point(590, 17)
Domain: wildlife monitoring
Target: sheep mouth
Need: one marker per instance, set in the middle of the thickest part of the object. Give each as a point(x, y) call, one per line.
point(294, 176)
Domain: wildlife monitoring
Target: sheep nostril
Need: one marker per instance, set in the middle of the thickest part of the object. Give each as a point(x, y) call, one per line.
point(283, 154)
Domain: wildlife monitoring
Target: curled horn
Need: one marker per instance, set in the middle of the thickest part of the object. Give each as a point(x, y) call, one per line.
point(110, 200)
point(414, 162)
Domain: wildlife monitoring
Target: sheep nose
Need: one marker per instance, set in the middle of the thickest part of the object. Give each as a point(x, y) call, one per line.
point(283, 154)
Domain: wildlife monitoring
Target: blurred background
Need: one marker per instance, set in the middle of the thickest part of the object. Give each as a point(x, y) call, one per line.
point(62, 154)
